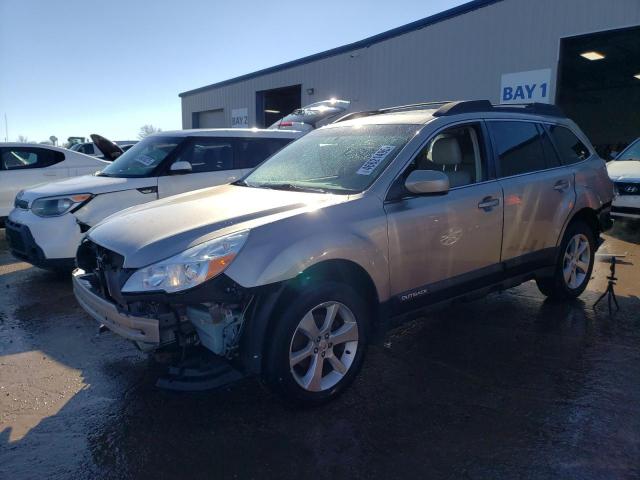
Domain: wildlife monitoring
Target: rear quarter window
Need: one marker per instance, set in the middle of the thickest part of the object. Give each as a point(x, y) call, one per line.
point(570, 148)
point(251, 152)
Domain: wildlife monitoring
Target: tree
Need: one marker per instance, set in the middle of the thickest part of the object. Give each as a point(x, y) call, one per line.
point(147, 130)
point(22, 139)
point(54, 140)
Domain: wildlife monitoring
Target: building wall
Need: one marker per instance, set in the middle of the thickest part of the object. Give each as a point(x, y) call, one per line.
point(459, 58)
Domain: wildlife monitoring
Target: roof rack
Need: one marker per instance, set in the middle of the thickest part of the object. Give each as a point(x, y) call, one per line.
point(400, 108)
point(535, 108)
point(414, 106)
point(447, 108)
point(475, 106)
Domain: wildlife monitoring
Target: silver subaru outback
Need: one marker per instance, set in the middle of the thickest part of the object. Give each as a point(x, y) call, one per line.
point(289, 272)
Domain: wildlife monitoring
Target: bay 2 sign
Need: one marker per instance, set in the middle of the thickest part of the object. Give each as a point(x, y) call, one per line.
point(526, 87)
point(240, 118)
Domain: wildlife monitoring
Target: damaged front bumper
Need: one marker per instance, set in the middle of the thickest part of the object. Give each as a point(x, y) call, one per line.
point(144, 331)
point(211, 315)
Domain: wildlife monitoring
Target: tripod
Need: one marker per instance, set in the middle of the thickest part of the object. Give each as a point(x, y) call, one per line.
point(609, 292)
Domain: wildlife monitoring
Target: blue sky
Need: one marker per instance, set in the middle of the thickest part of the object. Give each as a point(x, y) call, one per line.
point(77, 67)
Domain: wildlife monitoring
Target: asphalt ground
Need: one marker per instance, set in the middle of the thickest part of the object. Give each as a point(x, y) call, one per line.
point(509, 386)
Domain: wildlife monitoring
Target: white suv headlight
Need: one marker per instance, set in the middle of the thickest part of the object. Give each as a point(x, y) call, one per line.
point(189, 268)
point(56, 206)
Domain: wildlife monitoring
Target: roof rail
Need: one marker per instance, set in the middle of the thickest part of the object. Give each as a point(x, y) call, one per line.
point(475, 106)
point(400, 108)
point(537, 108)
point(353, 115)
point(413, 106)
point(463, 106)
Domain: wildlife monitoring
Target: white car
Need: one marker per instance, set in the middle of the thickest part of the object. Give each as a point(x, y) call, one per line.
point(624, 170)
point(49, 221)
point(24, 165)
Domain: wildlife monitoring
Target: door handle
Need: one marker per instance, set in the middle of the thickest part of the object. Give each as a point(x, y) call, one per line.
point(49, 174)
point(561, 185)
point(488, 203)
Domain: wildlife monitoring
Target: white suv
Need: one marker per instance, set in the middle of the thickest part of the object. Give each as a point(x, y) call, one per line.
point(48, 221)
point(625, 173)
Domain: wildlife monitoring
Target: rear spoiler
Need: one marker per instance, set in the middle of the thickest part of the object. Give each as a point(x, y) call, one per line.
point(307, 118)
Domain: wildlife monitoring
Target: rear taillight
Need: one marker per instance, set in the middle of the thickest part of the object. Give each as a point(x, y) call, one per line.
point(285, 124)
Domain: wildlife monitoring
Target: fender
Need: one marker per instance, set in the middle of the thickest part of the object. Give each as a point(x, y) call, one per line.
point(279, 265)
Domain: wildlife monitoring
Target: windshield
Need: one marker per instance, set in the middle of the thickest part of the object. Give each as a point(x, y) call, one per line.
point(141, 159)
point(631, 153)
point(343, 159)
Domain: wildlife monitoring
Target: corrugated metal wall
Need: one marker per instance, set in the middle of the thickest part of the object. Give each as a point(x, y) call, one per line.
point(459, 58)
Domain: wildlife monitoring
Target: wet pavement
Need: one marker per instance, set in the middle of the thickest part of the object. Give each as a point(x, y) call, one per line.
point(509, 386)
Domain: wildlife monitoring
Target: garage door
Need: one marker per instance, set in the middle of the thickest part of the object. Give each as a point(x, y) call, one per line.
point(212, 119)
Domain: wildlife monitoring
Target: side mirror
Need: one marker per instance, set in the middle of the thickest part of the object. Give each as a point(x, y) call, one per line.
point(180, 167)
point(425, 182)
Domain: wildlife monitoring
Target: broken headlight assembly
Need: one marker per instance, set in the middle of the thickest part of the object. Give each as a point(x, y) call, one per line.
point(56, 206)
point(189, 268)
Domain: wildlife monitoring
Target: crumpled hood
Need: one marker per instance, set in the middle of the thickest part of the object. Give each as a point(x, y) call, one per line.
point(148, 233)
point(621, 170)
point(86, 184)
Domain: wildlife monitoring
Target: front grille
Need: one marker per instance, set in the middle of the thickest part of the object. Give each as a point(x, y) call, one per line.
point(628, 188)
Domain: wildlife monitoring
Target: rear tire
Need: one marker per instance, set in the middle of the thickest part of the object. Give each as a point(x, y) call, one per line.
point(318, 343)
point(574, 264)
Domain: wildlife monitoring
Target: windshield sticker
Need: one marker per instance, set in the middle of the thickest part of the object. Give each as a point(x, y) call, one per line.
point(370, 165)
point(145, 160)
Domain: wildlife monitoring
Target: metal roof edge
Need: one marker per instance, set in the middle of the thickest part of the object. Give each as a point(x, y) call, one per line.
point(367, 42)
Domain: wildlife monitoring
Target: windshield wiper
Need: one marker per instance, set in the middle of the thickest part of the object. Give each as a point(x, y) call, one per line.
point(292, 187)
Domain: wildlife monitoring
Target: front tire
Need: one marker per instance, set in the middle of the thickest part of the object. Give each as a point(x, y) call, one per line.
point(574, 265)
point(318, 344)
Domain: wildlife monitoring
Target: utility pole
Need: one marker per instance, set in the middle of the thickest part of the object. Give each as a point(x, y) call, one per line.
point(6, 129)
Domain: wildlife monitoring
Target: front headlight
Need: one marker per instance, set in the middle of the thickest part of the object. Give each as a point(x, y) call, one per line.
point(18, 202)
point(56, 206)
point(189, 268)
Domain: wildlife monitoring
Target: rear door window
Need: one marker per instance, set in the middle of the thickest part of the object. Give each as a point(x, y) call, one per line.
point(569, 146)
point(20, 158)
point(250, 152)
point(208, 154)
point(518, 147)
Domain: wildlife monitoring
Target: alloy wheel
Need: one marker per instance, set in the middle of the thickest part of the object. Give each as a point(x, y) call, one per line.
point(577, 258)
point(323, 346)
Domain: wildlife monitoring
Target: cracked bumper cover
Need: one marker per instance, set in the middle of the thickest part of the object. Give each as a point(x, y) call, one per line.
point(138, 329)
